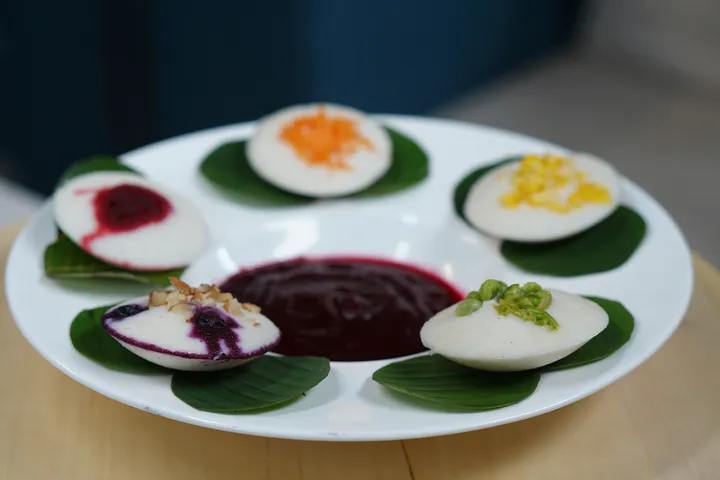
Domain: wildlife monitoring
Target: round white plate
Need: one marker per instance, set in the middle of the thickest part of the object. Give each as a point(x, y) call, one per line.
point(416, 226)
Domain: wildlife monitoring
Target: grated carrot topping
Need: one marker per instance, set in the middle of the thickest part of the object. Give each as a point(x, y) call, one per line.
point(321, 140)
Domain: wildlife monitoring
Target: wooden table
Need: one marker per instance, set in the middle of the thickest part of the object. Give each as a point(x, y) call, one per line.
point(660, 422)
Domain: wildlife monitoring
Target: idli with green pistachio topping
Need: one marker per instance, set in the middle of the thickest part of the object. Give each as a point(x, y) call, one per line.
point(512, 328)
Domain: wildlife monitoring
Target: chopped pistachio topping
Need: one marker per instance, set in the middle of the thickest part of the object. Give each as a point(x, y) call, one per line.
point(531, 287)
point(542, 299)
point(491, 289)
point(475, 295)
point(534, 315)
point(512, 292)
point(467, 307)
point(528, 302)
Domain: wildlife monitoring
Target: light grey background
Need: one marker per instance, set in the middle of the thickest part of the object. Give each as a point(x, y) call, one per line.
point(643, 91)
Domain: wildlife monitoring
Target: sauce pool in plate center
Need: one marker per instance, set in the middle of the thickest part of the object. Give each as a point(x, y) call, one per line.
point(345, 308)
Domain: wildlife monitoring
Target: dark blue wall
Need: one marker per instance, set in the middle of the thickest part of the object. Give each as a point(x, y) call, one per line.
point(54, 95)
point(104, 76)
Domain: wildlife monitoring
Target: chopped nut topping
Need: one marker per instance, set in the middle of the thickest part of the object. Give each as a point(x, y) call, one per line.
point(180, 285)
point(158, 298)
point(235, 307)
point(250, 307)
point(180, 306)
point(185, 309)
point(184, 298)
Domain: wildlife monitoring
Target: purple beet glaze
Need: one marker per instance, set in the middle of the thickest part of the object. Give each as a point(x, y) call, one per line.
point(124, 311)
point(345, 309)
point(209, 325)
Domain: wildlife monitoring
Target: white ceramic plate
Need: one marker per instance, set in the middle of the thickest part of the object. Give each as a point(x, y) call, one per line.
point(417, 226)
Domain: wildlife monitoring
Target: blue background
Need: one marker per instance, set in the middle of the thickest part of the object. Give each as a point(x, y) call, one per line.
point(87, 77)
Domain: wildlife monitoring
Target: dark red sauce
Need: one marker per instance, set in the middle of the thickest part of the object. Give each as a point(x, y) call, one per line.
point(124, 208)
point(345, 309)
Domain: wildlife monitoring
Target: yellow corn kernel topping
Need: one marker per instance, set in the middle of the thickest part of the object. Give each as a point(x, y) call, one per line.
point(552, 182)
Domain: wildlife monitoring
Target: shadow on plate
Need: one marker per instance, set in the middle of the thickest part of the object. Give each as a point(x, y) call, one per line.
point(327, 391)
